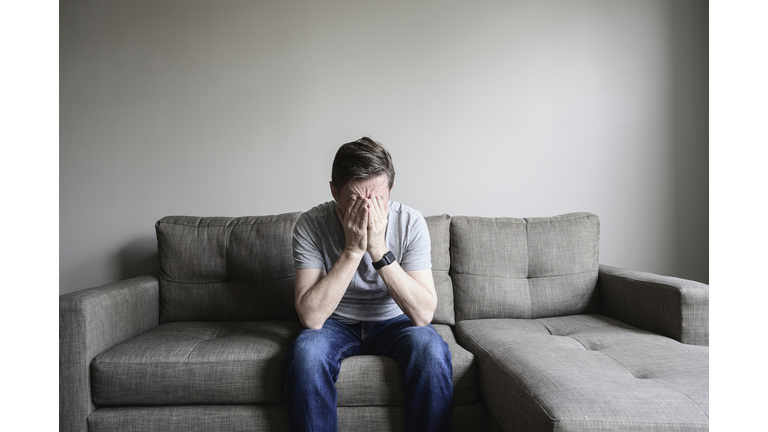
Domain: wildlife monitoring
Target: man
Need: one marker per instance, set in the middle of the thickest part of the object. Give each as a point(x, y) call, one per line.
point(364, 286)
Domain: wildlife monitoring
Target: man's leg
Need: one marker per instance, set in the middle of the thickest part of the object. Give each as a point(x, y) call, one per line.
point(312, 367)
point(425, 362)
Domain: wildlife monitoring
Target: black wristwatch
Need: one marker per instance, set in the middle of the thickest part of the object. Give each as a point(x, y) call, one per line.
point(388, 259)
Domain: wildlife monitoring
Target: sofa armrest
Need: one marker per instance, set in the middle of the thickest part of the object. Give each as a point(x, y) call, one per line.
point(90, 322)
point(673, 307)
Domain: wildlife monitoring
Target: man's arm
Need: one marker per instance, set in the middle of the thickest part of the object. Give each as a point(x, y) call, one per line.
point(318, 293)
point(413, 291)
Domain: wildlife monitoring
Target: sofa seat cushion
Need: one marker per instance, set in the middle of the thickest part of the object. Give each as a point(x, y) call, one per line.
point(370, 380)
point(587, 372)
point(266, 417)
point(196, 363)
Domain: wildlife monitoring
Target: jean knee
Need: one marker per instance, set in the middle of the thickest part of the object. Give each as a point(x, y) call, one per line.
point(428, 345)
point(304, 353)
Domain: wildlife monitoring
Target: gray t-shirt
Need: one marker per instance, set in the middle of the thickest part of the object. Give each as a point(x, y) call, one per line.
point(318, 241)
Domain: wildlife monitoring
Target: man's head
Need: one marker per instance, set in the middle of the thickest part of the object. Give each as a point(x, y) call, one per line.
point(361, 168)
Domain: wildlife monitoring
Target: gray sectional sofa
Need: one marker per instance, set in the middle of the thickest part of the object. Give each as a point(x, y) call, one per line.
point(542, 336)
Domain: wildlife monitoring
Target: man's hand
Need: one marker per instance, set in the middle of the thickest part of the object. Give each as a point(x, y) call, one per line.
point(355, 223)
point(378, 212)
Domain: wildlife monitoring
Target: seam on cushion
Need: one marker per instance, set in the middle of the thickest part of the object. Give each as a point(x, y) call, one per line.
point(576, 215)
point(627, 423)
point(587, 348)
point(570, 337)
point(218, 332)
point(227, 234)
point(582, 343)
point(223, 281)
point(528, 270)
point(179, 362)
point(197, 225)
point(192, 283)
point(526, 277)
point(612, 358)
point(564, 274)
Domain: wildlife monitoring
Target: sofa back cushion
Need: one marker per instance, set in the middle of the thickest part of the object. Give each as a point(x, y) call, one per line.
point(226, 268)
point(439, 235)
point(524, 268)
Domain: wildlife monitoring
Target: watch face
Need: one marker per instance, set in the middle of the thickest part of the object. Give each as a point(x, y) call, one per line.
point(387, 259)
point(390, 257)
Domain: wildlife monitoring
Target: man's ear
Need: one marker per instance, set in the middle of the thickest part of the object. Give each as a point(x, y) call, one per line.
point(334, 192)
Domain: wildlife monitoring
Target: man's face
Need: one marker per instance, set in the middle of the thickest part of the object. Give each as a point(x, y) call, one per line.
point(371, 188)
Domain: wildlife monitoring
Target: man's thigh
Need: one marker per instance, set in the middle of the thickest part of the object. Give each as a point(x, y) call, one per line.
point(324, 347)
point(399, 338)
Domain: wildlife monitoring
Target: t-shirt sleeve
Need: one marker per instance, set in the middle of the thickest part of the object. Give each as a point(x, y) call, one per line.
point(306, 251)
point(417, 254)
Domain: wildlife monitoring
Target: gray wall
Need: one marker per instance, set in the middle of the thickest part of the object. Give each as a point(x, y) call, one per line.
point(489, 108)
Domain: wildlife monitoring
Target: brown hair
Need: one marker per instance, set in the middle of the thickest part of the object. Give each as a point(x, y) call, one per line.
point(361, 160)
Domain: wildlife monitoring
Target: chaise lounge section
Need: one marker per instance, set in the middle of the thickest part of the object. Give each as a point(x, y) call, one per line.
point(550, 329)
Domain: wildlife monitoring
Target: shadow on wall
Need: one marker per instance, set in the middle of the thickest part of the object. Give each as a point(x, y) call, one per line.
point(689, 58)
point(139, 258)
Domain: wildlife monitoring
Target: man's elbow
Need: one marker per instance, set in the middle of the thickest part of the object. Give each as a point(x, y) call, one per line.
point(312, 324)
point(425, 315)
point(422, 319)
point(311, 321)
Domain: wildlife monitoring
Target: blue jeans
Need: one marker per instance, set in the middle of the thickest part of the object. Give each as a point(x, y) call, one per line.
point(314, 359)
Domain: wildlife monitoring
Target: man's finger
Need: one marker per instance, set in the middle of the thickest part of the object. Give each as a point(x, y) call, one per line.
point(353, 206)
point(371, 213)
point(364, 217)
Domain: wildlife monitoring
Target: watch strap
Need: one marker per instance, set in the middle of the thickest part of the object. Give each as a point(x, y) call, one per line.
point(388, 259)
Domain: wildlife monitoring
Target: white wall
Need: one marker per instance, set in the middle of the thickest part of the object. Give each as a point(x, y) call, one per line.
point(489, 108)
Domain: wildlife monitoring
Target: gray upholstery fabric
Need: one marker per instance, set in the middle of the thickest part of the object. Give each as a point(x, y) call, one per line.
point(465, 377)
point(226, 269)
point(672, 307)
point(376, 380)
point(241, 363)
point(587, 372)
point(390, 418)
point(90, 322)
point(369, 380)
point(439, 233)
point(196, 363)
point(273, 418)
point(190, 418)
point(524, 268)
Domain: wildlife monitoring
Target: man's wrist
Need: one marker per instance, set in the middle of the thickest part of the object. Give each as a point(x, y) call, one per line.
point(377, 255)
point(353, 254)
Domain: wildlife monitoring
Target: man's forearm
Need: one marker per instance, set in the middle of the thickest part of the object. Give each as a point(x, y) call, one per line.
point(414, 292)
point(415, 298)
point(317, 303)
